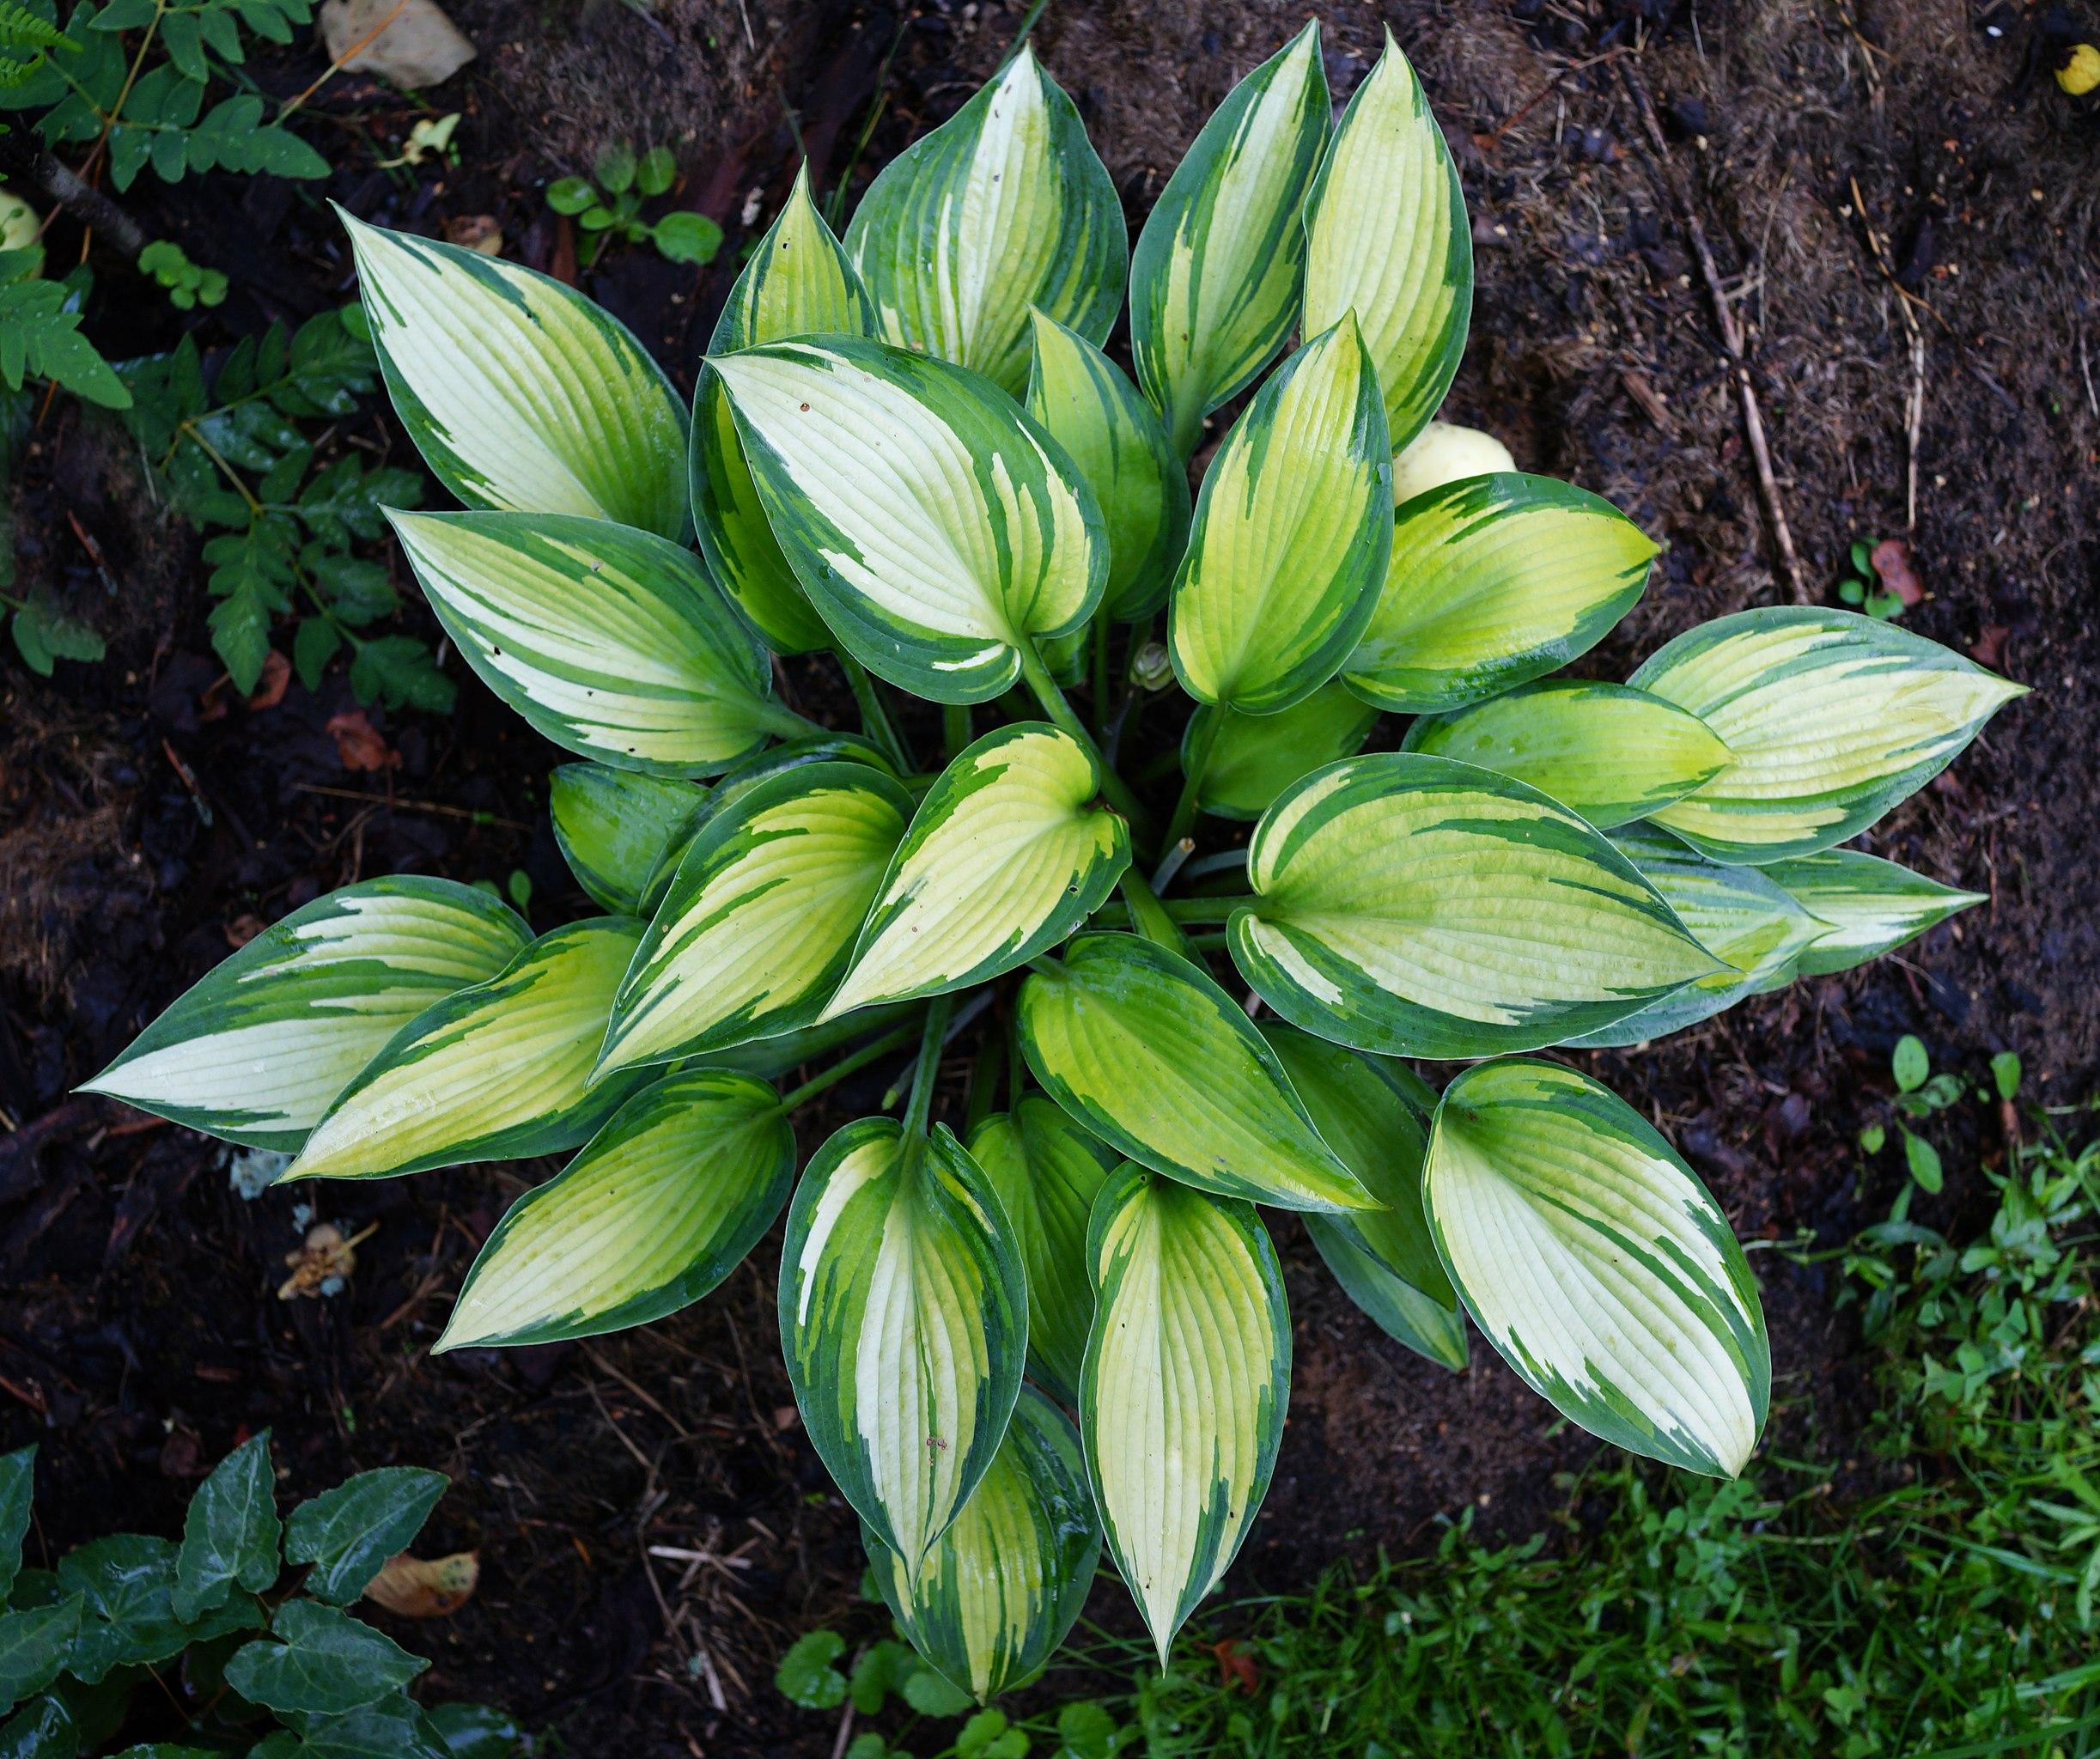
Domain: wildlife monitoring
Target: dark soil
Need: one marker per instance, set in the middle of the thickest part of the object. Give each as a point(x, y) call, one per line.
point(148, 820)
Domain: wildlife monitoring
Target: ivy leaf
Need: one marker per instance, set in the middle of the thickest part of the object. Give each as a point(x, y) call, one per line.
point(325, 1662)
point(17, 1485)
point(230, 1534)
point(347, 1533)
point(34, 1644)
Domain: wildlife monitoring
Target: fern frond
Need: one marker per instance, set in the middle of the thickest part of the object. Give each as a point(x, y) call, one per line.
point(21, 29)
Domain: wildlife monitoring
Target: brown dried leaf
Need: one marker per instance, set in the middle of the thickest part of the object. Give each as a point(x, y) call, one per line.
point(270, 688)
point(1891, 560)
point(426, 1587)
point(361, 744)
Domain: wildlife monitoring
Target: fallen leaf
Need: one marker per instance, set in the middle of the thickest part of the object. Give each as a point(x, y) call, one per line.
point(475, 231)
point(270, 686)
point(361, 744)
point(1236, 1670)
point(426, 1587)
point(1989, 646)
point(409, 42)
point(244, 928)
point(1891, 560)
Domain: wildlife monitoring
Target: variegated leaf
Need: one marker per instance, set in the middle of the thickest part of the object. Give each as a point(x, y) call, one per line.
point(1867, 906)
point(497, 1072)
point(1288, 552)
point(935, 524)
point(1009, 852)
point(520, 394)
point(613, 827)
point(259, 1049)
point(1608, 751)
point(1387, 237)
point(1832, 719)
point(1254, 757)
point(1047, 1171)
point(1215, 279)
point(1187, 1378)
point(611, 642)
point(1593, 1260)
point(1004, 206)
point(799, 282)
point(1001, 1587)
point(1493, 581)
point(760, 919)
point(1147, 1053)
point(904, 1314)
point(661, 1204)
point(1395, 1305)
point(1115, 441)
point(1418, 907)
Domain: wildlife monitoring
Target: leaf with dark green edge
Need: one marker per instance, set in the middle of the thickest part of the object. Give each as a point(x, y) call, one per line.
point(1608, 751)
point(348, 1532)
point(1004, 206)
point(613, 826)
point(498, 1072)
point(934, 523)
point(1832, 719)
point(609, 641)
point(1744, 919)
point(259, 1049)
point(1592, 1258)
point(1009, 852)
point(1387, 237)
point(1254, 757)
point(1493, 581)
point(34, 1644)
point(759, 924)
point(1413, 906)
point(1186, 1381)
point(320, 1661)
point(799, 282)
point(520, 394)
point(1047, 1171)
point(1371, 1123)
point(18, 1492)
point(230, 1535)
point(1145, 1051)
point(476, 1730)
point(662, 1203)
point(127, 1582)
point(1001, 1588)
point(903, 1315)
point(1286, 555)
point(1392, 1304)
point(42, 1729)
point(1216, 276)
point(1868, 906)
point(1114, 439)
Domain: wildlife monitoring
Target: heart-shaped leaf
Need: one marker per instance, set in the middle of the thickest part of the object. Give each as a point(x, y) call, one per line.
point(1417, 907)
point(1867, 906)
point(1254, 757)
point(613, 827)
point(323, 1664)
point(903, 1312)
point(1187, 1377)
point(1151, 1056)
point(660, 1205)
point(1594, 1261)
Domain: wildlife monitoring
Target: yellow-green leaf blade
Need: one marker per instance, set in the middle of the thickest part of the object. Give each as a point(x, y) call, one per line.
point(613, 826)
point(1254, 757)
point(1867, 906)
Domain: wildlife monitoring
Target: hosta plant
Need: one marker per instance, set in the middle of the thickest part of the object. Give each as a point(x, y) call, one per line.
point(1058, 1329)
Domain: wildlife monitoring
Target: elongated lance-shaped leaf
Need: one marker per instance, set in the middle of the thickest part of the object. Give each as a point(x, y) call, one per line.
point(1739, 915)
point(903, 1313)
point(760, 919)
point(1151, 1056)
point(497, 1072)
point(935, 524)
point(613, 827)
point(1254, 757)
point(799, 281)
point(1867, 906)
point(1047, 1171)
point(1116, 444)
point(1371, 1122)
point(1009, 852)
point(1387, 237)
point(1287, 554)
point(1832, 717)
point(1493, 581)
point(660, 1206)
point(1391, 1303)
point(611, 642)
point(230, 1533)
point(1001, 1587)
point(520, 394)
point(1592, 1259)
point(1215, 280)
point(1187, 1378)
point(1609, 751)
point(1004, 206)
point(259, 1049)
point(1418, 907)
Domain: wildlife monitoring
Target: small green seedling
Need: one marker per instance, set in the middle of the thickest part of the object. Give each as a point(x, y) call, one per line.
point(189, 284)
point(1862, 589)
point(608, 203)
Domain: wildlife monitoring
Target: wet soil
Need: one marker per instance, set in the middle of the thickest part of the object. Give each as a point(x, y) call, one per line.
point(1901, 208)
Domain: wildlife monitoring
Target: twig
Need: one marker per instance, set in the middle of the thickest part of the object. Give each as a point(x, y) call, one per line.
point(1877, 248)
point(1732, 339)
point(21, 156)
point(388, 803)
point(349, 55)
